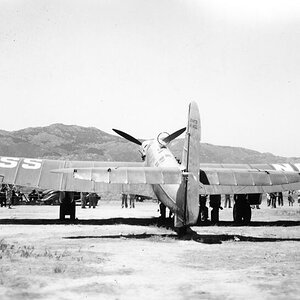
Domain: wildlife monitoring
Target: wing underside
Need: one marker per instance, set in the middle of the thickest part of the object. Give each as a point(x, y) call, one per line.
point(244, 181)
point(36, 173)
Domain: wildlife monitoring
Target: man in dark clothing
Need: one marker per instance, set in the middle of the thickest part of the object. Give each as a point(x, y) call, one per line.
point(203, 210)
point(215, 204)
point(124, 200)
point(280, 199)
point(227, 201)
point(131, 200)
point(3, 196)
point(9, 194)
point(273, 200)
point(93, 197)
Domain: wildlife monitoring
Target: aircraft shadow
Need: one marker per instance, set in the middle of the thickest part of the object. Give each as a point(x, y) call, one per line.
point(191, 235)
point(110, 221)
point(143, 222)
point(194, 236)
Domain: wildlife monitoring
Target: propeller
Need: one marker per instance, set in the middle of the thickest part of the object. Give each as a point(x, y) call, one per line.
point(165, 140)
point(127, 136)
point(173, 136)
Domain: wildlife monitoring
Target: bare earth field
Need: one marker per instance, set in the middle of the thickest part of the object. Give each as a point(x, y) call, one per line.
point(118, 257)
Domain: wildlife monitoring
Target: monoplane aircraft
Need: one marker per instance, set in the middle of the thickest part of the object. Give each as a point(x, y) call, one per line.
point(176, 185)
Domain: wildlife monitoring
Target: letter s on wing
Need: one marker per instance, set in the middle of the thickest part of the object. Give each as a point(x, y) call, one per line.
point(33, 164)
point(8, 162)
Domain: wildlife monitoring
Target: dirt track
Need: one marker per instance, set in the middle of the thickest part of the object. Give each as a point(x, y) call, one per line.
point(124, 261)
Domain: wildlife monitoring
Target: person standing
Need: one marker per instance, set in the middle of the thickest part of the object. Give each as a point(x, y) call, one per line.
point(83, 196)
point(215, 204)
point(290, 199)
point(268, 199)
point(9, 195)
point(3, 196)
point(93, 199)
point(124, 200)
point(273, 200)
point(203, 209)
point(162, 210)
point(227, 201)
point(280, 199)
point(131, 200)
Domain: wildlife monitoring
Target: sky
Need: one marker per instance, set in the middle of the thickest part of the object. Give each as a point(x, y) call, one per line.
point(135, 65)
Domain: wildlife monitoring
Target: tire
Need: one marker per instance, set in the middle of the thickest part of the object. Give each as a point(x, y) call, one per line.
point(72, 211)
point(247, 214)
point(237, 214)
point(62, 211)
point(242, 213)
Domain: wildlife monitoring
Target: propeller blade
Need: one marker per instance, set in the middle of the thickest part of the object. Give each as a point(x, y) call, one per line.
point(127, 136)
point(174, 135)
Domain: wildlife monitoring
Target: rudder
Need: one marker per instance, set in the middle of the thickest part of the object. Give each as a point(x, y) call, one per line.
point(188, 194)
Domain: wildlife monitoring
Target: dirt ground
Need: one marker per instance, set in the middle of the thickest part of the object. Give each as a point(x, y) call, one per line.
point(124, 254)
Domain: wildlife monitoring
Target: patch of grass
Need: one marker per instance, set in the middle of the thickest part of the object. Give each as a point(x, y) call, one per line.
point(161, 239)
point(47, 253)
point(65, 253)
point(13, 251)
point(287, 212)
point(26, 251)
point(59, 269)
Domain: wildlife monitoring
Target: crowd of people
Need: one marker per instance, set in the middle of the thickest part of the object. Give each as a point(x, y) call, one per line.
point(273, 200)
point(276, 199)
point(89, 198)
point(10, 195)
point(131, 200)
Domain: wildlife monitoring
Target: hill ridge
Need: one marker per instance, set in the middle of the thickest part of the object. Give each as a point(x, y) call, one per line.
point(74, 142)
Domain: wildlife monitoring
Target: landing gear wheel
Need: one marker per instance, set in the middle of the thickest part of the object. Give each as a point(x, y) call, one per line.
point(62, 211)
point(242, 213)
point(247, 214)
point(67, 206)
point(72, 211)
point(237, 214)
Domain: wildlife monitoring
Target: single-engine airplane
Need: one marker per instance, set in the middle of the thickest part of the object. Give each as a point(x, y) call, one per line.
point(176, 185)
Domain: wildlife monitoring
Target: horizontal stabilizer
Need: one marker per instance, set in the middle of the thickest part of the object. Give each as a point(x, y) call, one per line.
point(126, 175)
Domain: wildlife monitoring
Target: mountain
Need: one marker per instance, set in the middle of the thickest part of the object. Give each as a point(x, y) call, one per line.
point(59, 141)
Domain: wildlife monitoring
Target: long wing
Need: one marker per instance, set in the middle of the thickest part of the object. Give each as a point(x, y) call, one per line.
point(238, 181)
point(278, 166)
point(36, 173)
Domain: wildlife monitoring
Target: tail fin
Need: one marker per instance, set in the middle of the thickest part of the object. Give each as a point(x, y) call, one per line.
point(187, 198)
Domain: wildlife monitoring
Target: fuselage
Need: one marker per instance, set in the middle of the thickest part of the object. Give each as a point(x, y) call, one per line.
point(157, 155)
